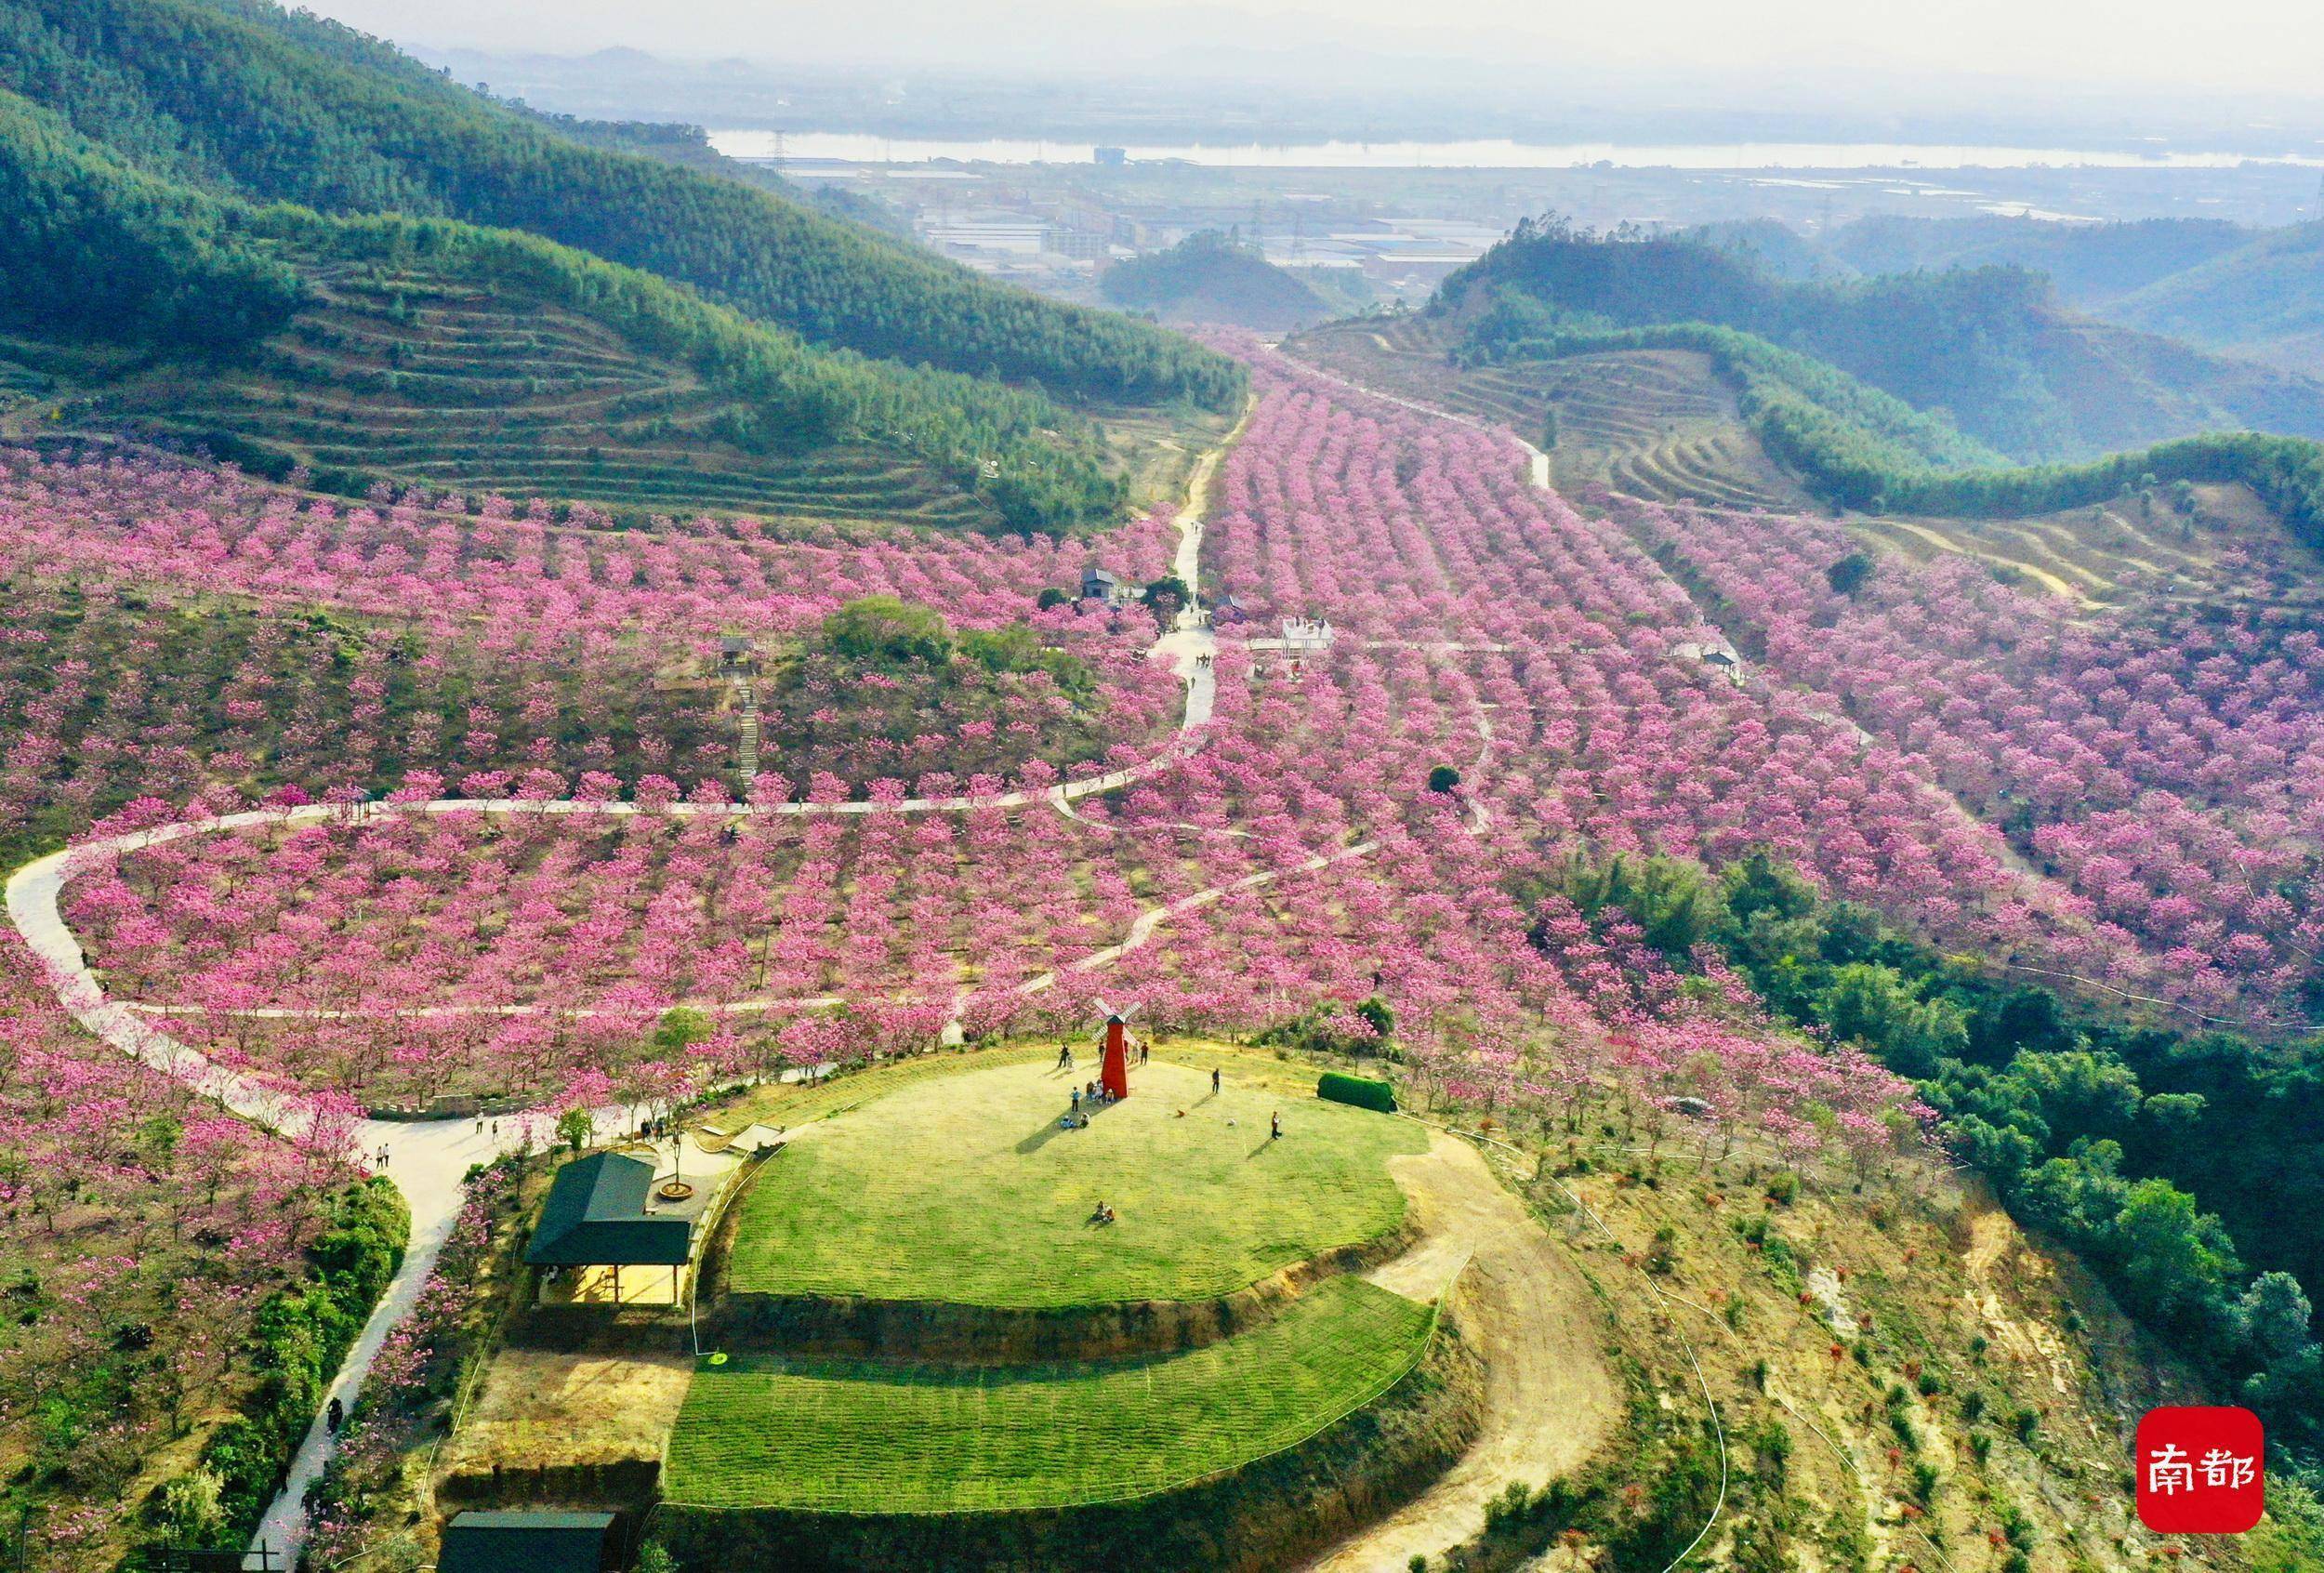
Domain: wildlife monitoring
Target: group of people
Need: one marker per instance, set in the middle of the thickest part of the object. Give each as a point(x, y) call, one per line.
point(1092, 1095)
point(1143, 1050)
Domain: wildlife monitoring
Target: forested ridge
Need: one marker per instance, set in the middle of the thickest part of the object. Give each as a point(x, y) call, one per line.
point(185, 181)
point(93, 245)
point(2087, 262)
point(271, 106)
point(2251, 292)
point(1210, 277)
point(1989, 350)
point(102, 251)
point(1855, 444)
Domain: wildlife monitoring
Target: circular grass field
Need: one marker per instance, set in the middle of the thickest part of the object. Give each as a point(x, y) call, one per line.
point(962, 1188)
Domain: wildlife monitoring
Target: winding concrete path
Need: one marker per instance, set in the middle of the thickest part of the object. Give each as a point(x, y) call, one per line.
point(426, 1161)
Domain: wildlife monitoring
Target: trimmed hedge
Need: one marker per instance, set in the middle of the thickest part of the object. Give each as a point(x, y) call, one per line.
point(1359, 1091)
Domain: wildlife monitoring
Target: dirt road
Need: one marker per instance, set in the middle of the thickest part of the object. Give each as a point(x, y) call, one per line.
point(1549, 1400)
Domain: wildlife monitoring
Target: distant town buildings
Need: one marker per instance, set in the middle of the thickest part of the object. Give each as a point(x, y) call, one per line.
point(1058, 235)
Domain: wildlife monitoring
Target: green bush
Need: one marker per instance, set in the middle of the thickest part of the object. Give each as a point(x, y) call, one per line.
point(1362, 1091)
point(300, 1334)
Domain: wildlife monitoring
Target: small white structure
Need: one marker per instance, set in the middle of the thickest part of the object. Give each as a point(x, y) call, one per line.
point(1719, 656)
point(1098, 584)
point(1303, 635)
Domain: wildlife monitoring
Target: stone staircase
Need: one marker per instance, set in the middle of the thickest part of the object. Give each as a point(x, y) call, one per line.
point(747, 753)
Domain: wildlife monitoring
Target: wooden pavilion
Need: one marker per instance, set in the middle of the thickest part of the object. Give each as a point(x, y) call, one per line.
point(600, 1215)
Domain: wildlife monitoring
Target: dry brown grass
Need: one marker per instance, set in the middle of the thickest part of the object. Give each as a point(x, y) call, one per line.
point(541, 1408)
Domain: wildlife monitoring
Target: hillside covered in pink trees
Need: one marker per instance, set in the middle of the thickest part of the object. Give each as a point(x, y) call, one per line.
point(1578, 811)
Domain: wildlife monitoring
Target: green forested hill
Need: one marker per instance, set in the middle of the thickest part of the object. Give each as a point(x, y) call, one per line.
point(1826, 380)
point(2264, 298)
point(1991, 350)
point(428, 350)
point(2252, 293)
point(276, 106)
point(2089, 263)
point(1206, 278)
point(227, 225)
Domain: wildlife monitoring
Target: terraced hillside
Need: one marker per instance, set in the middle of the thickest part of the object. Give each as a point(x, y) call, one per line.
point(414, 378)
point(264, 233)
point(2174, 548)
point(1657, 424)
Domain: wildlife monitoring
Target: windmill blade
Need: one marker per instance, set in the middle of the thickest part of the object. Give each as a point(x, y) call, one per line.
point(1103, 1009)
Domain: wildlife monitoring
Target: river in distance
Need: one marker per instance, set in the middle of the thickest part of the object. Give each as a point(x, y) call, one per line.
point(853, 146)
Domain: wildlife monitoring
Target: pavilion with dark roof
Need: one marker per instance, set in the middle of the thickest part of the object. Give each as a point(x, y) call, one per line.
point(600, 1215)
point(528, 1542)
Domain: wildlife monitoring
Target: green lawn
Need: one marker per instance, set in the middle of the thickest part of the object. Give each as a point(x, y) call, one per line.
point(859, 1436)
point(962, 1188)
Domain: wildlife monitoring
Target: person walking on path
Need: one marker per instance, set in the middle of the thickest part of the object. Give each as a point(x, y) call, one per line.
point(333, 1416)
point(1274, 1132)
point(1214, 1081)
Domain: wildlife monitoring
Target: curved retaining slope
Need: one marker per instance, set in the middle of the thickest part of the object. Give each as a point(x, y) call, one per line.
point(994, 1335)
point(1263, 1513)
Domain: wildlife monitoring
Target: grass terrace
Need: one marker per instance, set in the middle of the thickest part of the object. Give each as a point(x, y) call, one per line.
point(763, 1430)
point(964, 1189)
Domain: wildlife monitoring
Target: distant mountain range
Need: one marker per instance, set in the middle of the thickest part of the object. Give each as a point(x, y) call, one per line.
point(2258, 294)
point(231, 223)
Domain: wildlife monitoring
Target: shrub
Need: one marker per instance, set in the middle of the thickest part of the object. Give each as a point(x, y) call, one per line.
point(1362, 1091)
point(301, 1333)
point(1849, 574)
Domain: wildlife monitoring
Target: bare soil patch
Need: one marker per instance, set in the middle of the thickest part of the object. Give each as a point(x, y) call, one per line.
point(1550, 1401)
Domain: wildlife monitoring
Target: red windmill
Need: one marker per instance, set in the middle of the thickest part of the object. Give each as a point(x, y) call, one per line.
point(1114, 1070)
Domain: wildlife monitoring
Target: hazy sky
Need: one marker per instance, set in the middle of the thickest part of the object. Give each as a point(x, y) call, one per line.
point(2265, 45)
